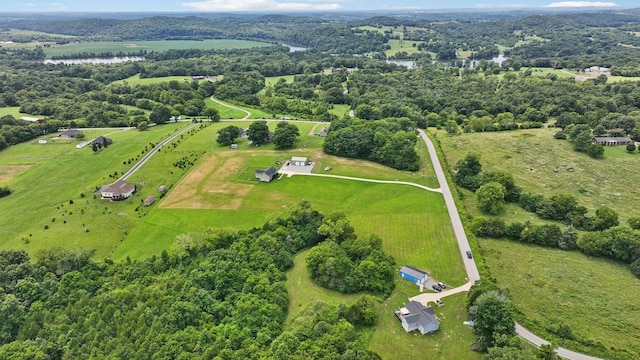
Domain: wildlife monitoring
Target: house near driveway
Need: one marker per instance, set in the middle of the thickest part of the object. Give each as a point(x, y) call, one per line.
point(32, 119)
point(415, 316)
point(612, 141)
point(266, 175)
point(324, 132)
point(414, 275)
point(69, 134)
point(100, 141)
point(119, 190)
point(299, 161)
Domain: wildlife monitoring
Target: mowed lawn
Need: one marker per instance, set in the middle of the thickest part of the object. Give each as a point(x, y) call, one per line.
point(50, 176)
point(595, 298)
point(128, 47)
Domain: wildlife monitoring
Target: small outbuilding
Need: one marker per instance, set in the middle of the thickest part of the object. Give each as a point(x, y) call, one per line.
point(415, 316)
point(42, 142)
point(119, 190)
point(149, 201)
point(162, 188)
point(234, 146)
point(414, 275)
point(299, 161)
point(266, 175)
point(324, 132)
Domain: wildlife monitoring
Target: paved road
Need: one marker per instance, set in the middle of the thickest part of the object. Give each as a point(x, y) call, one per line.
point(144, 159)
point(463, 243)
point(562, 352)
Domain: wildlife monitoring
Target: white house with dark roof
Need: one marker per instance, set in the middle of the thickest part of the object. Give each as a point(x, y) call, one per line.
point(266, 175)
point(119, 190)
point(415, 316)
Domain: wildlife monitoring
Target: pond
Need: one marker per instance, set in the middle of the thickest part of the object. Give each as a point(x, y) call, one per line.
point(295, 48)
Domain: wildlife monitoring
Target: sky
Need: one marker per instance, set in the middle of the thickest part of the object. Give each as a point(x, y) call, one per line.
point(291, 5)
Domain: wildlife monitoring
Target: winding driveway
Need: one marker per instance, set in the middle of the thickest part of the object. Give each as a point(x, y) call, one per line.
point(232, 107)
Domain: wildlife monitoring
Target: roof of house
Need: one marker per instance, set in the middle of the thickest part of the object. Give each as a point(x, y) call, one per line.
point(413, 272)
point(423, 315)
point(270, 171)
point(100, 140)
point(324, 130)
point(299, 158)
point(618, 139)
point(117, 188)
point(70, 132)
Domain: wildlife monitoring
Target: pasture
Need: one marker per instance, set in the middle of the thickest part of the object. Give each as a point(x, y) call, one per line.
point(556, 170)
point(410, 47)
point(132, 47)
point(596, 299)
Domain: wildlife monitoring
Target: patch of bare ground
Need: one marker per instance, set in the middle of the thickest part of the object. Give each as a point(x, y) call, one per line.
point(8, 172)
point(208, 186)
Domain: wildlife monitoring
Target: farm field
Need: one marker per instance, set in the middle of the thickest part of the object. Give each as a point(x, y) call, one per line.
point(14, 111)
point(556, 170)
point(596, 299)
point(128, 47)
point(136, 80)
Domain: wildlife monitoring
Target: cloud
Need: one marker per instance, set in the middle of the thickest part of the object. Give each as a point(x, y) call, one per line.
point(581, 4)
point(258, 5)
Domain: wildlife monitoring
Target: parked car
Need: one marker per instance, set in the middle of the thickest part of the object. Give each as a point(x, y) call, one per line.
point(469, 254)
point(442, 286)
point(436, 288)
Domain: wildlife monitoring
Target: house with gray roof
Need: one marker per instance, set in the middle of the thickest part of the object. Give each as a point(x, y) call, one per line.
point(415, 316)
point(266, 175)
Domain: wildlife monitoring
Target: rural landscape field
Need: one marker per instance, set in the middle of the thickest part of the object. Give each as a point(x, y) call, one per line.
point(446, 185)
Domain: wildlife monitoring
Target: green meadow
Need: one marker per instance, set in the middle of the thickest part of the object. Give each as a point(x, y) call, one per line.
point(596, 299)
point(129, 47)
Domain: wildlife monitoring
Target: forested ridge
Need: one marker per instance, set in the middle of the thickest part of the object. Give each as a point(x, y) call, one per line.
point(219, 295)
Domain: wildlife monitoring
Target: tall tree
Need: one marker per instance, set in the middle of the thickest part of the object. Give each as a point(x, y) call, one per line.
point(285, 135)
point(258, 132)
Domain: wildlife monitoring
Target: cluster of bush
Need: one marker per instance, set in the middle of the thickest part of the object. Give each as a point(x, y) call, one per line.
point(349, 264)
point(5, 191)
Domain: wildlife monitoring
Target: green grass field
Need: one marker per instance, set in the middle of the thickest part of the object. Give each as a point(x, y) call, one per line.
point(15, 112)
point(45, 178)
point(136, 80)
point(156, 46)
point(401, 45)
point(557, 169)
point(597, 299)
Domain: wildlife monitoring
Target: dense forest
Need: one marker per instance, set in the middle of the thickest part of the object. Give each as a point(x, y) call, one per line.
point(219, 295)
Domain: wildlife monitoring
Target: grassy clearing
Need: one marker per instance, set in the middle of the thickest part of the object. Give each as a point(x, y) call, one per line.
point(556, 170)
point(401, 45)
point(128, 47)
point(272, 80)
point(597, 299)
point(340, 110)
point(136, 80)
point(225, 112)
point(15, 112)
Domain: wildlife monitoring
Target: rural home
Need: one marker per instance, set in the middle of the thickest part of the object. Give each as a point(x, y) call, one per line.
point(414, 275)
point(119, 190)
point(266, 175)
point(417, 316)
point(299, 161)
point(69, 134)
point(612, 141)
point(324, 132)
point(100, 140)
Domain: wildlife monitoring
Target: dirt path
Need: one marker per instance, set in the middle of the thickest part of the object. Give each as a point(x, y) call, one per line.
point(232, 107)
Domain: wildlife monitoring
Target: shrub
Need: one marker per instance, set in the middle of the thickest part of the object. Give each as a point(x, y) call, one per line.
point(5, 191)
point(561, 135)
